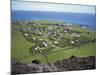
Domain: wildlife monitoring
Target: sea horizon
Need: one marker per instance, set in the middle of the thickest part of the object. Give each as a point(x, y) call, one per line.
point(67, 17)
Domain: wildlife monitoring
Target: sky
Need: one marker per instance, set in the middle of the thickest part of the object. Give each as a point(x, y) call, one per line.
point(34, 6)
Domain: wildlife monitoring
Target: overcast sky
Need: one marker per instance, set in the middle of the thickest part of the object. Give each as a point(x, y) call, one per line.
point(34, 6)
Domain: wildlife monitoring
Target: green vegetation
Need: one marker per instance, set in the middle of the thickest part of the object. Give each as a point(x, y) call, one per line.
point(20, 45)
point(50, 41)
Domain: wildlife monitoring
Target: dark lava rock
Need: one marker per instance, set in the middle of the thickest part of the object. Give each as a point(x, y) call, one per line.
point(36, 61)
point(73, 63)
point(72, 56)
point(18, 68)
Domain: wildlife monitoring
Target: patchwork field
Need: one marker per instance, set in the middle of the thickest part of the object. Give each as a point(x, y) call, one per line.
point(49, 41)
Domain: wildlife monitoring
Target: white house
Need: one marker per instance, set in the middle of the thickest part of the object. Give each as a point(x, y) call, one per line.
point(26, 34)
point(44, 43)
point(72, 42)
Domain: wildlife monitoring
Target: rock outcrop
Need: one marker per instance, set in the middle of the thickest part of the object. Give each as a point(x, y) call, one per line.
point(73, 63)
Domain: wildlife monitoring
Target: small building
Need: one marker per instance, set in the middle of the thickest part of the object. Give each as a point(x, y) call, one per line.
point(44, 43)
point(74, 34)
point(72, 42)
point(26, 34)
point(56, 42)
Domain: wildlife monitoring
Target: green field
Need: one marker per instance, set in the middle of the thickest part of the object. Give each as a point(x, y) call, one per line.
point(83, 38)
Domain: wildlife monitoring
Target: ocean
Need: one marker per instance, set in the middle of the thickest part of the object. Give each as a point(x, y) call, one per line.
point(88, 20)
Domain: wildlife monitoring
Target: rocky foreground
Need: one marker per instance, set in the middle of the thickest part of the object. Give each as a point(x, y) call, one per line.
point(73, 63)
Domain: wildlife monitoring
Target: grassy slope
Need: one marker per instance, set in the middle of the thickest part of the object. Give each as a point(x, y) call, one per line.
point(20, 49)
point(83, 51)
point(42, 21)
